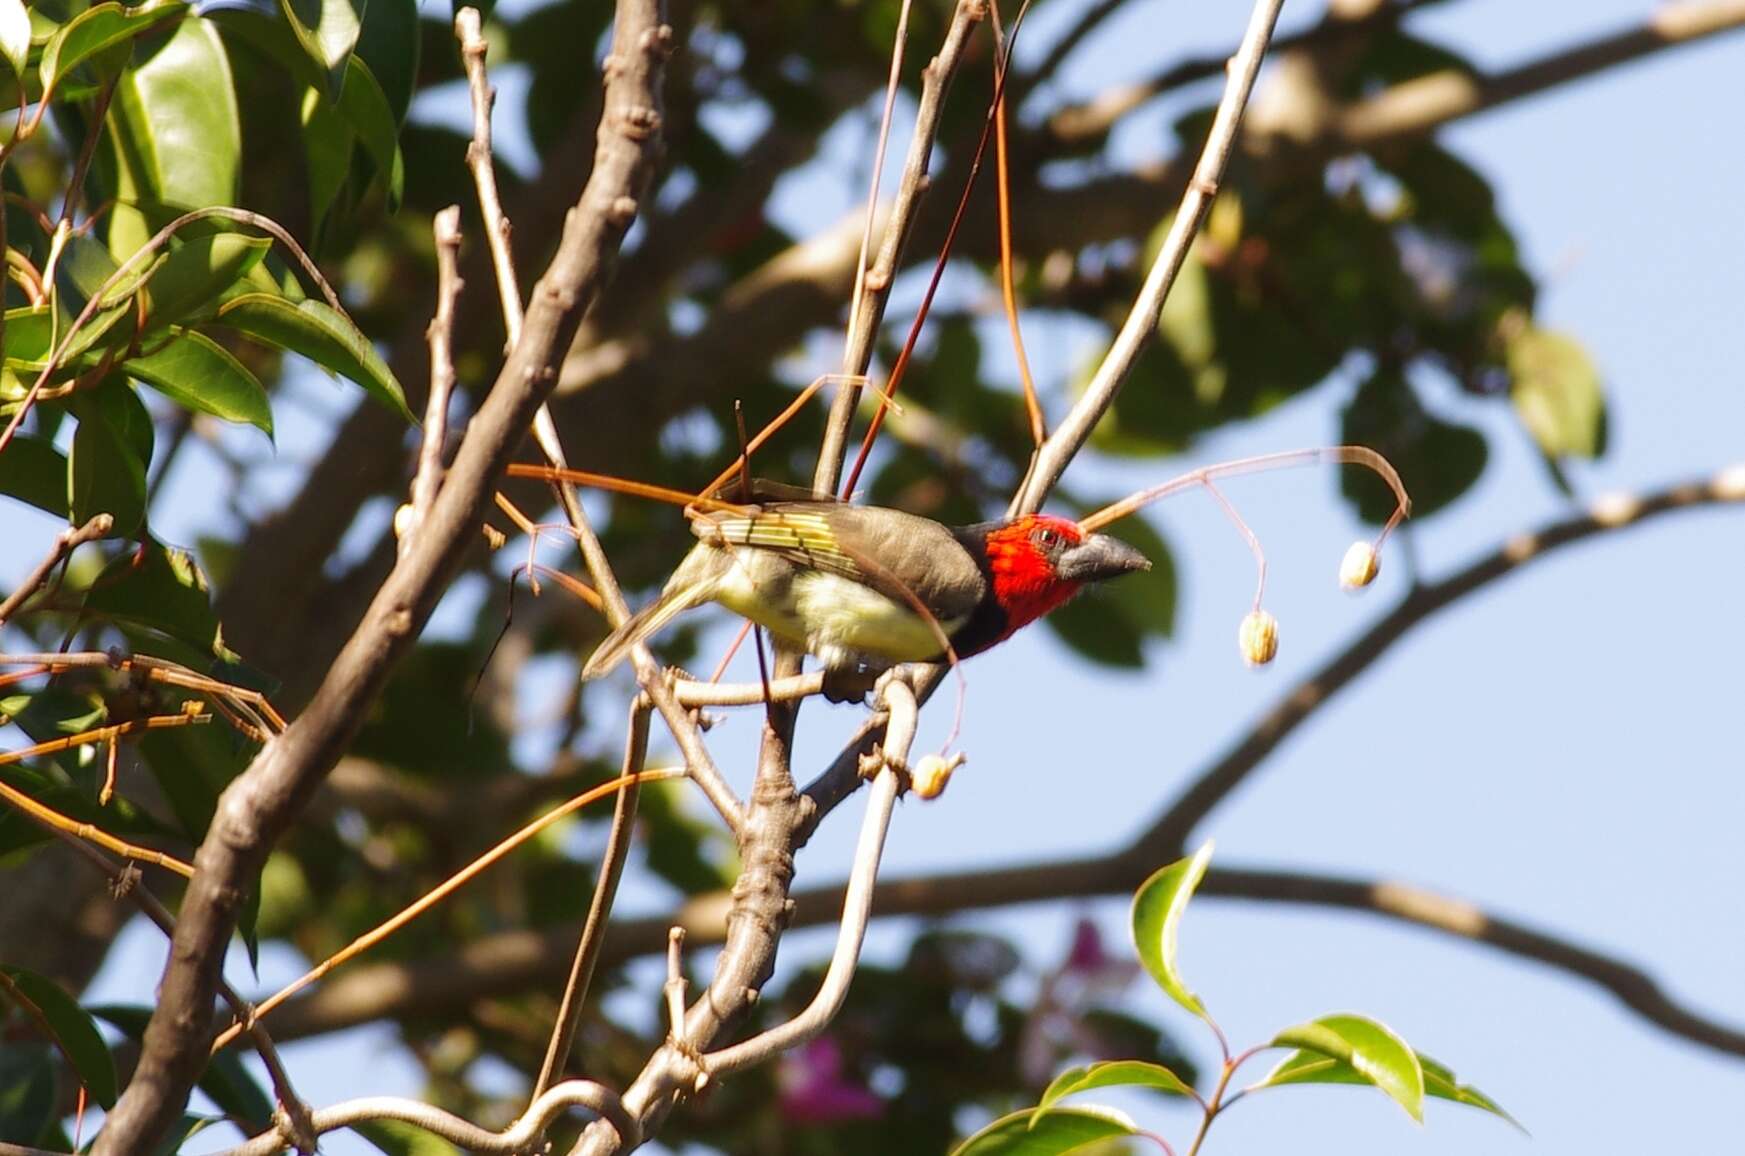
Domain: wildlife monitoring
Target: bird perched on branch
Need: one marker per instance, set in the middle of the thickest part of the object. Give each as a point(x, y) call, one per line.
point(864, 588)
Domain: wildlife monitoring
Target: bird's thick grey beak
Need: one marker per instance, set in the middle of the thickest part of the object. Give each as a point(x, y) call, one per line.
point(1099, 558)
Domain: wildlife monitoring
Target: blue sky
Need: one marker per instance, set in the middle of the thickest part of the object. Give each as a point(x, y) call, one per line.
point(1561, 748)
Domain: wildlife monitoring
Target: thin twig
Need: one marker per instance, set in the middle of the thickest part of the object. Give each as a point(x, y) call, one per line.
point(66, 542)
point(869, 307)
point(1141, 324)
point(428, 479)
point(899, 699)
point(575, 992)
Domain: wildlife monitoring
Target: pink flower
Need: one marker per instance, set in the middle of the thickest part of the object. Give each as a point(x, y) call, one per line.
point(812, 1089)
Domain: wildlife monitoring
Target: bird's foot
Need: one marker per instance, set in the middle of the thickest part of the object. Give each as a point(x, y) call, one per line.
point(849, 685)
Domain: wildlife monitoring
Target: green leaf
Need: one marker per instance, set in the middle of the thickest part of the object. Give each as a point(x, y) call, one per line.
point(365, 107)
point(97, 28)
point(34, 472)
point(176, 133)
point(390, 43)
point(1370, 1049)
point(1034, 1133)
point(1157, 912)
point(327, 30)
point(328, 145)
point(1438, 461)
point(199, 374)
point(322, 334)
point(161, 589)
point(73, 1029)
point(194, 273)
point(106, 471)
point(15, 34)
point(33, 334)
point(398, 1138)
point(1556, 391)
point(27, 1092)
point(1110, 1074)
point(1307, 1067)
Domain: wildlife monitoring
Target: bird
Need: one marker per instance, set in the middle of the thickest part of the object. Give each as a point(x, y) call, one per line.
point(864, 588)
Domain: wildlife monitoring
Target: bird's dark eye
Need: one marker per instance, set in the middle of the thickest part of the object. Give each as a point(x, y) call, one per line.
point(1048, 539)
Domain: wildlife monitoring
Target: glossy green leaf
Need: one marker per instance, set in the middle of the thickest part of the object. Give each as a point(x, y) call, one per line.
point(328, 145)
point(193, 765)
point(197, 373)
point(1157, 912)
point(1306, 1067)
point(226, 1079)
point(34, 472)
point(322, 334)
point(33, 334)
point(106, 472)
point(191, 277)
point(390, 43)
point(398, 1138)
point(162, 589)
point(100, 27)
point(1110, 1074)
point(27, 1091)
point(14, 34)
point(1556, 391)
point(1369, 1048)
point(327, 31)
point(74, 1031)
point(365, 107)
point(1034, 1133)
point(176, 133)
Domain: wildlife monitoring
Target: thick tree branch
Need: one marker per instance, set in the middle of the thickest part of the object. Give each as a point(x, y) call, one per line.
point(261, 803)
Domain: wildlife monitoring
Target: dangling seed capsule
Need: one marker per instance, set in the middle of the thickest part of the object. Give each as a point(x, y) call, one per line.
point(930, 774)
point(1257, 638)
point(1359, 566)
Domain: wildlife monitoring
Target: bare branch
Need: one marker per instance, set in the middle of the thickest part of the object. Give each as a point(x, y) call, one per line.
point(1141, 324)
point(515, 1138)
point(857, 901)
point(868, 308)
point(428, 479)
point(257, 807)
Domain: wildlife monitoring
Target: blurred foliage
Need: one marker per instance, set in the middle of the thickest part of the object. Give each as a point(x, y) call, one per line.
point(1388, 283)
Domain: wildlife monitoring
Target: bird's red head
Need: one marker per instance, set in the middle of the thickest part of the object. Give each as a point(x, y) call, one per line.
point(1024, 559)
point(1038, 562)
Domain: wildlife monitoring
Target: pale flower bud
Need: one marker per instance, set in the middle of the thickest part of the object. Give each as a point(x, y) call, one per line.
point(1257, 638)
point(1359, 566)
point(405, 520)
point(931, 773)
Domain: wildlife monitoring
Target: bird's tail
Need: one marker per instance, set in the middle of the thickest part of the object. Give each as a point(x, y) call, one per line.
point(642, 625)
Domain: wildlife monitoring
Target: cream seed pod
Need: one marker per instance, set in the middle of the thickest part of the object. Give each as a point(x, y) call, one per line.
point(931, 772)
point(1257, 638)
point(1359, 566)
point(405, 518)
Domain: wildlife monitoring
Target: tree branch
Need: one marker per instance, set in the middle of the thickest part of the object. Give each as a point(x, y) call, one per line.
point(257, 807)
